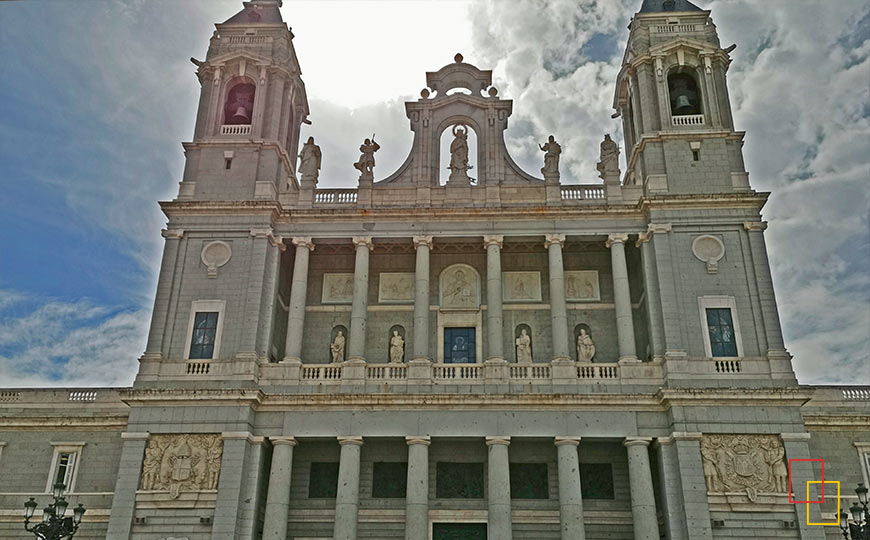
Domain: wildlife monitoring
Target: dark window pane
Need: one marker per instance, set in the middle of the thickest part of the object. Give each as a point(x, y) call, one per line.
point(459, 480)
point(389, 480)
point(596, 480)
point(204, 333)
point(529, 481)
point(323, 481)
point(721, 330)
point(459, 531)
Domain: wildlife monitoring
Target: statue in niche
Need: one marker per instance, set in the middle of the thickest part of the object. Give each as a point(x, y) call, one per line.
point(397, 348)
point(337, 347)
point(524, 347)
point(585, 347)
point(552, 150)
point(608, 166)
point(309, 165)
point(458, 291)
point(459, 156)
point(366, 163)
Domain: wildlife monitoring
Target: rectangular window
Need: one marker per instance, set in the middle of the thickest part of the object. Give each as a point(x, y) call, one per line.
point(64, 465)
point(64, 468)
point(459, 531)
point(529, 481)
point(721, 331)
point(596, 480)
point(458, 480)
point(389, 480)
point(459, 346)
point(323, 481)
point(204, 333)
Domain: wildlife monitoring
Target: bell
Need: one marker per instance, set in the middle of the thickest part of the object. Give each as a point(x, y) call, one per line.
point(241, 116)
point(683, 105)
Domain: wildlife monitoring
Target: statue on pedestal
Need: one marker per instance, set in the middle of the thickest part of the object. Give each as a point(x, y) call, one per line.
point(552, 150)
point(524, 348)
point(397, 348)
point(309, 164)
point(459, 156)
point(337, 348)
point(608, 166)
point(585, 347)
point(366, 163)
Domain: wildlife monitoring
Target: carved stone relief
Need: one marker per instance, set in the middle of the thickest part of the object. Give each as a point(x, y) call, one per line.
point(708, 249)
point(214, 255)
point(396, 288)
point(744, 463)
point(337, 288)
point(521, 286)
point(460, 288)
point(582, 286)
point(182, 462)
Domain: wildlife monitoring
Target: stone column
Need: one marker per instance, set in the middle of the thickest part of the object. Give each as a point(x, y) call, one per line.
point(695, 507)
point(767, 299)
point(356, 349)
point(558, 308)
point(347, 499)
point(797, 447)
point(570, 491)
point(154, 346)
point(643, 504)
point(672, 492)
point(494, 314)
point(269, 293)
point(129, 470)
point(298, 292)
point(653, 298)
point(499, 489)
point(423, 245)
point(254, 294)
point(417, 498)
point(238, 487)
point(278, 497)
point(622, 298)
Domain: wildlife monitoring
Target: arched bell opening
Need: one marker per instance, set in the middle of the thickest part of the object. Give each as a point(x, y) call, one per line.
point(239, 103)
point(458, 163)
point(684, 94)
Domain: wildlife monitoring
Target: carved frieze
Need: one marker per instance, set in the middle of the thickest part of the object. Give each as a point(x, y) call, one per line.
point(521, 286)
point(396, 287)
point(182, 462)
point(582, 286)
point(748, 464)
point(337, 288)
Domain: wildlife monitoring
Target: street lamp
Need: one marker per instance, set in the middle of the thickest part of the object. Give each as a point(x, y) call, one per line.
point(54, 525)
point(859, 529)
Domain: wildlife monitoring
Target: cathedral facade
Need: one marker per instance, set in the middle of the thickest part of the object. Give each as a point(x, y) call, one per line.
point(467, 352)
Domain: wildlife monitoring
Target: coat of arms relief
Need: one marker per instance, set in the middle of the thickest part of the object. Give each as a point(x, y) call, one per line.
point(182, 462)
point(748, 464)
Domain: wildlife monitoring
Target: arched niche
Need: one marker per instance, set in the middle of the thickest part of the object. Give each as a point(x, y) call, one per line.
point(238, 103)
point(396, 330)
point(459, 287)
point(684, 92)
point(337, 356)
point(520, 341)
point(447, 138)
point(577, 333)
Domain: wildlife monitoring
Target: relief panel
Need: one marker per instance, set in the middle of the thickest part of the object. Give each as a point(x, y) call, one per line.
point(582, 286)
point(337, 289)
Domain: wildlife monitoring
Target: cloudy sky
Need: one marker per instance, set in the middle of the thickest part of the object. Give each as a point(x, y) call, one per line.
point(96, 96)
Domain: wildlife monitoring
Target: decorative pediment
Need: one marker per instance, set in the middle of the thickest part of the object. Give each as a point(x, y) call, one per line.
point(459, 75)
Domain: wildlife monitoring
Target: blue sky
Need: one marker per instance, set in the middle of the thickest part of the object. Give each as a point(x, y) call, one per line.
point(97, 95)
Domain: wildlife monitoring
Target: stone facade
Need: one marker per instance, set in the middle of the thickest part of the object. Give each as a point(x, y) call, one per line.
point(575, 361)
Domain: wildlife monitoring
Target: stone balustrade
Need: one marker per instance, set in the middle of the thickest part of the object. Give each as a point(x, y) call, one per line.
point(584, 193)
point(238, 129)
point(687, 120)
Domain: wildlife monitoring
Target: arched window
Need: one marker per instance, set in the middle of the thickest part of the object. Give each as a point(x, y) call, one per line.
point(239, 105)
point(684, 94)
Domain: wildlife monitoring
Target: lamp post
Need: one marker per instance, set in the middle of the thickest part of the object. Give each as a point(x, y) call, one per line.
point(859, 529)
point(54, 525)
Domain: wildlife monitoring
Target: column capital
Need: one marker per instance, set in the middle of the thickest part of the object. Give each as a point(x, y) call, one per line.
point(422, 241)
point(637, 441)
point(354, 440)
point(261, 233)
point(567, 441)
point(283, 439)
point(755, 225)
point(366, 241)
point(550, 239)
point(278, 242)
point(303, 242)
point(505, 441)
point(794, 437)
point(496, 239)
point(172, 234)
point(616, 238)
point(659, 228)
point(642, 238)
point(425, 440)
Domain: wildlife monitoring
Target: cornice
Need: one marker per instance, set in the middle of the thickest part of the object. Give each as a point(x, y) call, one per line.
point(746, 199)
point(206, 208)
point(64, 423)
point(789, 397)
point(836, 422)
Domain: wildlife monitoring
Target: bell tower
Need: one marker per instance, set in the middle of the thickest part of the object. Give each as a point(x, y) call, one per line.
point(672, 96)
point(251, 107)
